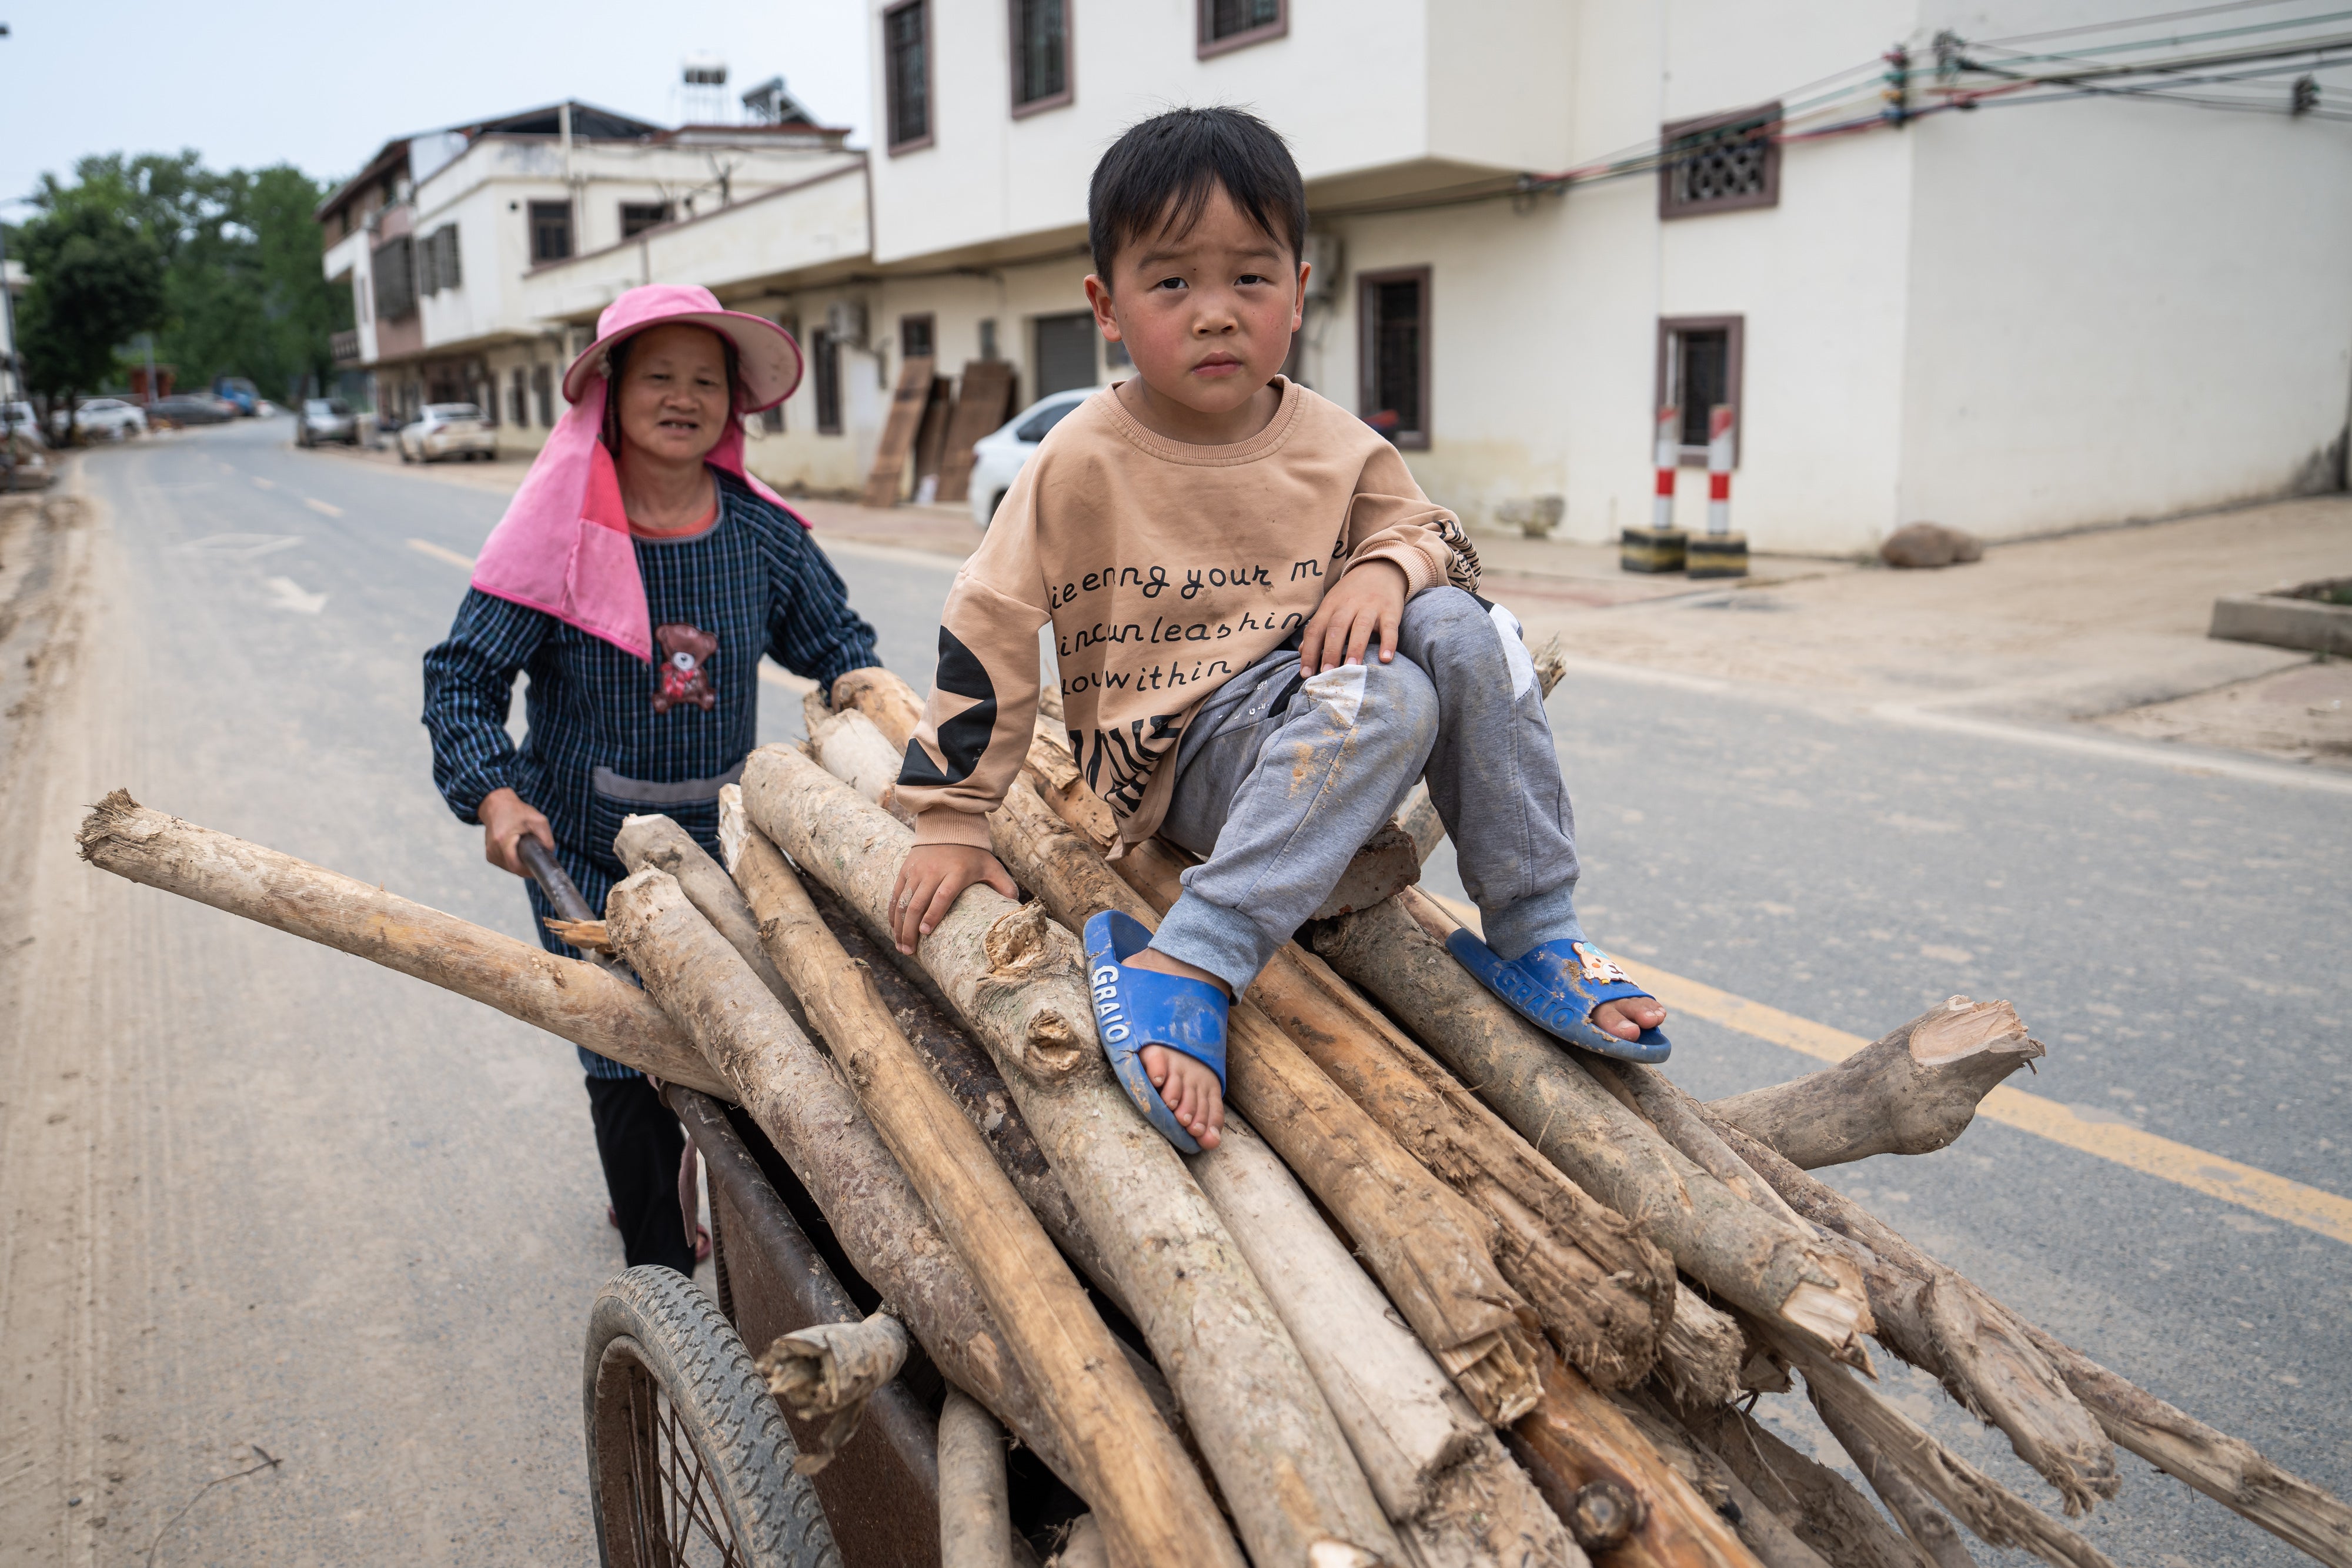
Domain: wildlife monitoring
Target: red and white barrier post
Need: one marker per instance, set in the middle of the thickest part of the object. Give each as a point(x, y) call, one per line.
point(1719, 552)
point(1718, 469)
point(1670, 456)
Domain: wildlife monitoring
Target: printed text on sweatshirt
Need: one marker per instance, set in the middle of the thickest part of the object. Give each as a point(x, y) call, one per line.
point(1164, 568)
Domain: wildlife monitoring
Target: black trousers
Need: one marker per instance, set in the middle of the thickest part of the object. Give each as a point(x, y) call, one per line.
point(641, 1145)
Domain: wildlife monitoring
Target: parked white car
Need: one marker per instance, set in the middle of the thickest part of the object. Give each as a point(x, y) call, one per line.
point(448, 430)
point(998, 457)
point(109, 418)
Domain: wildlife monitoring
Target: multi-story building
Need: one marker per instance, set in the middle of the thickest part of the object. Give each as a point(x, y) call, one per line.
point(1993, 265)
point(438, 236)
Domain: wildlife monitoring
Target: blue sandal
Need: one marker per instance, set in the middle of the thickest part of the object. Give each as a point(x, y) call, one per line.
point(1556, 986)
point(1136, 1008)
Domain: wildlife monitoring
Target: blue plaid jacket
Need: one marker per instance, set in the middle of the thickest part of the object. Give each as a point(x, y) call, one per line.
point(595, 751)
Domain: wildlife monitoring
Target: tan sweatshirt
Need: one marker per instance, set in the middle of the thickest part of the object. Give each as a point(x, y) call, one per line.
point(1165, 569)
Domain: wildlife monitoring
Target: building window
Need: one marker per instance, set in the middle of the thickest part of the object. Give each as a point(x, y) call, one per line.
point(906, 73)
point(1394, 369)
point(517, 400)
point(771, 420)
point(1698, 366)
point(825, 357)
point(1237, 24)
point(636, 217)
point(1041, 55)
point(550, 232)
point(394, 266)
point(987, 350)
point(1721, 163)
point(1065, 352)
point(437, 261)
point(543, 392)
point(915, 337)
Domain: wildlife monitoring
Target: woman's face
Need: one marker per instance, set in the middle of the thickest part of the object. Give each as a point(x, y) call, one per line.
point(673, 394)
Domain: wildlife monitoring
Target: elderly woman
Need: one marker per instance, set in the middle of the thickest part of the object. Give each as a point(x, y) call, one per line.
point(637, 577)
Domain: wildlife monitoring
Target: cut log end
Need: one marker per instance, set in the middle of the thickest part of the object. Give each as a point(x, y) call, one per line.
point(588, 935)
point(117, 815)
point(823, 1370)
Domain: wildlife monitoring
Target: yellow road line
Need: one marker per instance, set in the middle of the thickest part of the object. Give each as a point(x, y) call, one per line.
point(439, 552)
point(328, 508)
point(2307, 1208)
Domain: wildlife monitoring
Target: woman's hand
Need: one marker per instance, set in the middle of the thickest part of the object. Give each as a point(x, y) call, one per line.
point(505, 821)
point(930, 879)
point(1367, 599)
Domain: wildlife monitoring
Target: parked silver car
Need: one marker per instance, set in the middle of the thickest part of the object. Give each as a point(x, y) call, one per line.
point(448, 430)
point(998, 457)
point(326, 419)
point(106, 418)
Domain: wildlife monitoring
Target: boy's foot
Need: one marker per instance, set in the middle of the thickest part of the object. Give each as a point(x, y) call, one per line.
point(1573, 991)
point(1163, 1024)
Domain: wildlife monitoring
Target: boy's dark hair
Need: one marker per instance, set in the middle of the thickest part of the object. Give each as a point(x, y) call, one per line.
point(1161, 173)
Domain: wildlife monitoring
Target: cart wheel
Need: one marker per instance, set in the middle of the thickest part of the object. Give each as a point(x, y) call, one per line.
point(688, 1458)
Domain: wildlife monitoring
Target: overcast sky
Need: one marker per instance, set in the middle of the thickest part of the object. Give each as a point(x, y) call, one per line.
point(323, 86)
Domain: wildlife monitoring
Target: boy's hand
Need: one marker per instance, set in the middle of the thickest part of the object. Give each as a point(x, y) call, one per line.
point(1369, 599)
point(930, 879)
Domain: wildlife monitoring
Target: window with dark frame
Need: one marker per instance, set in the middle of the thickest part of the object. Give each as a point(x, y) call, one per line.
point(550, 232)
point(1236, 24)
point(445, 262)
point(915, 337)
point(824, 360)
point(518, 398)
point(543, 392)
point(1041, 55)
point(636, 217)
point(1393, 396)
point(1065, 352)
point(1723, 164)
point(906, 73)
point(771, 420)
point(1699, 366)
point(394, 263)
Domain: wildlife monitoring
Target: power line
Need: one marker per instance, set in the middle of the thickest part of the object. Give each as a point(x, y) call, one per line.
point(2149, 21)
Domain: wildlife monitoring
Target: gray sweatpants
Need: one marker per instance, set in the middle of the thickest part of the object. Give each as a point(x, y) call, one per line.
point(1279, 781)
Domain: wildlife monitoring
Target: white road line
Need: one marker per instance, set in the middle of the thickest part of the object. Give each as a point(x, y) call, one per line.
point(776, 676)
point(261, 483)
point(286, 595)
point(440, 552)
point(316, 504)
point(2147, 754)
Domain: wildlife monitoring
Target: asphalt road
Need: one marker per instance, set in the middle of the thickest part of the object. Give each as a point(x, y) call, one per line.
point(267, 1195)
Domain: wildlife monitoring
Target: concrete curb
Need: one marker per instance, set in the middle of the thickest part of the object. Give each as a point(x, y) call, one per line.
point(2283, 623)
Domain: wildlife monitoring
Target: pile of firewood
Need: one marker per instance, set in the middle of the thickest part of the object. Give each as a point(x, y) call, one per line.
point(1447, 1294)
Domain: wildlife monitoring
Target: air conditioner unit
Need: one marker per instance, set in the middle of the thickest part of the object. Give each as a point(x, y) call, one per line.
point(846, 321)
point(1323, 256)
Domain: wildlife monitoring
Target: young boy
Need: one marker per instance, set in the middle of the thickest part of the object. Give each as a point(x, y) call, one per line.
point(1264, 632)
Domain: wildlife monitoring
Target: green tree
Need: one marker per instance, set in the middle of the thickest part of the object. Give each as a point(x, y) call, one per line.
point(97, 279)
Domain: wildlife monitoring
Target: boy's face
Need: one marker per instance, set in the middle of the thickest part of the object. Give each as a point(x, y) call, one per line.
point(1207, 315)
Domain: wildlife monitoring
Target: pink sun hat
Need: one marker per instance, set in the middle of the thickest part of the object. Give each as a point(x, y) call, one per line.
point(766, 355)
point(564, 546)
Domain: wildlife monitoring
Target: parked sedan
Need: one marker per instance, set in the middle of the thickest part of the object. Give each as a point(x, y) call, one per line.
point(998, 457)
point(192, 408)
point(108, 418)
point(448, 430)
point(326, 419)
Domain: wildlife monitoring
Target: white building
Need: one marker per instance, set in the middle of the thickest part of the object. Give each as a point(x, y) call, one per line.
point(439, 236)
point(2009, 278)
point(14, 280)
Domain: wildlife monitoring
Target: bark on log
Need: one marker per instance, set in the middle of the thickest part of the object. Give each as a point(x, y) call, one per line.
point(1827, 1514)
point(1577, 1438)
point(851, 747)
point(1996, 1515)
point(1931, 1529)
point(831, 1370)
point(1605, 1294)
point(1774, 1270)
point(1911, 1093)
point(1760, 1528)
point(1439, 1472)
point(577, 1001)
point(813, 1121)
point(659, 842)
point(884, 698)
point(1129, 1466)
point(2227, 1469)
point(1019, 982)
point(1428, 1250)
point(975, 1514)
point(1942, 1323)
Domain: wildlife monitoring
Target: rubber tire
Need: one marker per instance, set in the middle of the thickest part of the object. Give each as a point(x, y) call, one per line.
point(700, 1363)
